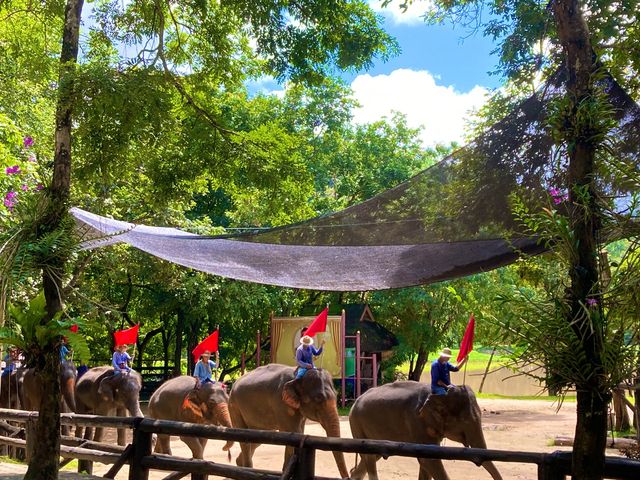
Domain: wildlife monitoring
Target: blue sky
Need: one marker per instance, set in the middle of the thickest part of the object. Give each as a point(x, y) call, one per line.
point(438, 80)
point(450, 53)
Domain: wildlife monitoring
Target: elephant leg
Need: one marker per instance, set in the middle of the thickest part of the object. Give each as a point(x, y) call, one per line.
point(194, 445)
point(163, 444)
point(370, 465)
point(122, 433)
point(245, 459)
point(359, 471)
point(434, 467)
point(424, 474)
point(97, 437)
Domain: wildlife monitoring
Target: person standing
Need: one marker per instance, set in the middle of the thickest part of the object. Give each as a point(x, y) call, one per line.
point(440, 368)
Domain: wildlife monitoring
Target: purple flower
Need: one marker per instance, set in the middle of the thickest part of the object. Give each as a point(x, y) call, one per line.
point(10, 200)
point(27, 142)
point(554, 192)
point(12, 170)
point(39, 187)
point(24, 187)
point(32, 158)
point(592, 302)
point(557, 200)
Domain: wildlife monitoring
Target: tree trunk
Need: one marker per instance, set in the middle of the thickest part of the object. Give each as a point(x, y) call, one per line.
point(593, 397)
point(620, 408)
point(178, 351)
point(45, 460)
point(418, 367)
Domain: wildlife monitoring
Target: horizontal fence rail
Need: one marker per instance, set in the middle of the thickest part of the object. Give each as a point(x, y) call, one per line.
point(551, 466)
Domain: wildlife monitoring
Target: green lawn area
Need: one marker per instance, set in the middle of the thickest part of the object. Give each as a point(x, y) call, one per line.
point(478, 359)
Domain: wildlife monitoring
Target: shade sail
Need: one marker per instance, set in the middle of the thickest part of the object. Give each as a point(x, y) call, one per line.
point(451, 220)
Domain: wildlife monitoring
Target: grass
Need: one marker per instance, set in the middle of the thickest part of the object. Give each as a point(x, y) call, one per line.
point(478, 359)
point(72, 466)
point(553, 398)
point(5, 459)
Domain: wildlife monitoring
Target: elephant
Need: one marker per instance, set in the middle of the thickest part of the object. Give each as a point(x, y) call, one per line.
point(408, 412)
point(126, 391)
point(177, 399)
point(267, 399)
point(32, 389)
point(9, 385)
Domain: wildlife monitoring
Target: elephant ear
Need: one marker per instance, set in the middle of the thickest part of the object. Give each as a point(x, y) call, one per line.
point(434, 413)
point(290, 395)
point(192, 411)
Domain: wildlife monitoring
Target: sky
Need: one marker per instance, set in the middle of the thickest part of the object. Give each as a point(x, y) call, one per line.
point(440, 75)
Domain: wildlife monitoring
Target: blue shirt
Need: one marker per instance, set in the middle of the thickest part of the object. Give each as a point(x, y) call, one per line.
point(304, 356)
point(120, 361)
point(203, 370)
point(440, 371)
point(64, 351)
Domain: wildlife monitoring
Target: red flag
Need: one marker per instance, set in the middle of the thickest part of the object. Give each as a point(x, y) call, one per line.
point(210, 343)
point(319, 324)
point(74, 328)
point(467, 341)
point(128, 336)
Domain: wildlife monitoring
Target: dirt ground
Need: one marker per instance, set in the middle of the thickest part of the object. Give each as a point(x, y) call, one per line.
point(516, 425)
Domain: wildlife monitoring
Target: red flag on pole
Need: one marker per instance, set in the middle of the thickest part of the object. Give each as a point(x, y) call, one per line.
point(128, 336)
point(210, 343)
point(319, 324)
point(467, 340)
point(74, 328)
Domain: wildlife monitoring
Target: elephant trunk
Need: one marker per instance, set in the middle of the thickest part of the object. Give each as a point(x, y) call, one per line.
point(330, 421)
point(221, 415)
point(133, 406)
point(476, 440)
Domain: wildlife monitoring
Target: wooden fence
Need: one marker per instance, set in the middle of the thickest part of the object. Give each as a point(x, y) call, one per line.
point(139, 455)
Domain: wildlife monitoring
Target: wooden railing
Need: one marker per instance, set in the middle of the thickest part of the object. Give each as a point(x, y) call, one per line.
point(139, 455)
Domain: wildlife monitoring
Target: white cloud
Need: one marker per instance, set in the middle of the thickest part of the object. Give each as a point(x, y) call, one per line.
point(440, 109)
point(394, 11)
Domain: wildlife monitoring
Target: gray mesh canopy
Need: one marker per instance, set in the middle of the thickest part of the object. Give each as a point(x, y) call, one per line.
point(451, 220)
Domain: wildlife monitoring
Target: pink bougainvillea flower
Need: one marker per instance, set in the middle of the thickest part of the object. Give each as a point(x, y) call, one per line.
point(592, 302)
point(24, 187)
point(554, 192)
point(12, 170)
point(10, 200)
point(11, 195)
point(27, 142)
point(39, 187)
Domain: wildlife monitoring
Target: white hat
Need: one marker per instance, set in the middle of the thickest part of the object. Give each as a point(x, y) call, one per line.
point(446, 352)
point(306, 340)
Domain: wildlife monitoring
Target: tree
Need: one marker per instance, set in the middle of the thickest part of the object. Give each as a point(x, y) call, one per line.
point(564, 34)
point(210, 40)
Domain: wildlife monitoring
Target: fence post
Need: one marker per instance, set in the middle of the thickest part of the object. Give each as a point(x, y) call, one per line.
point(551, 468)
point(141, 448)
point(306, 464)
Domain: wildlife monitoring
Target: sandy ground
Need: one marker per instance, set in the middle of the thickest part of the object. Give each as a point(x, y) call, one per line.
point(516, 425)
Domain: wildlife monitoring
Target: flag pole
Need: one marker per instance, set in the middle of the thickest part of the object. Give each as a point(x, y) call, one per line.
point(464, 374)
point(215, 375)
point(323, 334)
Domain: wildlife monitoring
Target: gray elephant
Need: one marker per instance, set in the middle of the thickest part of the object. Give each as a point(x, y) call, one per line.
point(177, 399)
point(31, 388)
point(407, 412)
point(266, 399)
point(9, 384)
point(126, 393)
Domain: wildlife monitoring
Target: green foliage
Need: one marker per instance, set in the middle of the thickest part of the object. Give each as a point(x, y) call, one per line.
point(29, 330)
